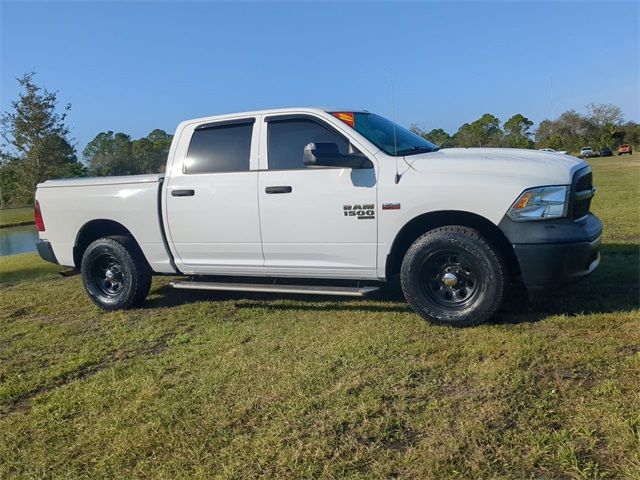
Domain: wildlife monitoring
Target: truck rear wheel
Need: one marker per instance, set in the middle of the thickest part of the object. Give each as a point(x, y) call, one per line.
point(115, 273)
point(451, 275)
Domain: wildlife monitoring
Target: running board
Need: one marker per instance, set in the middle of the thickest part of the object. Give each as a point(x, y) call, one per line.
point(274, 288)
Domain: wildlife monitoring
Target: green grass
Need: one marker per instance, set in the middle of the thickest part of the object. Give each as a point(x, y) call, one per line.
point(617, 200)
point(25, 266)
point(241, 386)
point(16, 216)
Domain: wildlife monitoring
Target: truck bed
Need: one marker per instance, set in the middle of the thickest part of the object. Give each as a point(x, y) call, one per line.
point(69, 206)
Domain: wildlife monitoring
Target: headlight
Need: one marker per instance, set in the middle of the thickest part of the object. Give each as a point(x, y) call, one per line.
point(540, 203)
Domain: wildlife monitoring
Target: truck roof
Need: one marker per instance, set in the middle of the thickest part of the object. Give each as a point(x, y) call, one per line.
point(269, 111)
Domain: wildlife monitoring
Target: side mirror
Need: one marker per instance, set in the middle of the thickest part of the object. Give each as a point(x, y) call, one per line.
point(328, 155)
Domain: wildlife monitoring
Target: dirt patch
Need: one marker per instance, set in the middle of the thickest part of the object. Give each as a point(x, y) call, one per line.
point(19, 312)
point(24, 402)
point(629, 349)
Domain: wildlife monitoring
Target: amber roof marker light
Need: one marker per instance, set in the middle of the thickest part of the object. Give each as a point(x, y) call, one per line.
point(346, 117)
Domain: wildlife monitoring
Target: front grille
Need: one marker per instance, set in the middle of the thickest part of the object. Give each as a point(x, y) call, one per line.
point(585, 182)
point(581, 208)
point(581, 204)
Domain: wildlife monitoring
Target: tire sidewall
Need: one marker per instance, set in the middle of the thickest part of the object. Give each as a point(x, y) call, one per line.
point(126, 296)
point(491, 286)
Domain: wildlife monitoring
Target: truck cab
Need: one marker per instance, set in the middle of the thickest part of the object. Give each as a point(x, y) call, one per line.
point(277, 211)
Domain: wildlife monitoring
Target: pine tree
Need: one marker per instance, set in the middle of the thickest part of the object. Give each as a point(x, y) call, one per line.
point(36, 146)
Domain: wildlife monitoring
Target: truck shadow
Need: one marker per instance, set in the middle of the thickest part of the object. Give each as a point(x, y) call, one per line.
point(613, 287)
point(165, 296)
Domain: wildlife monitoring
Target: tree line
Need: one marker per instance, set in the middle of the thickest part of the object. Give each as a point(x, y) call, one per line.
point(117, 154)
point(601, 126)
point(36, 143)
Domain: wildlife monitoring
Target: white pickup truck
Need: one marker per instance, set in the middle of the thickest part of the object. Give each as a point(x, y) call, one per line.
point(311, 201)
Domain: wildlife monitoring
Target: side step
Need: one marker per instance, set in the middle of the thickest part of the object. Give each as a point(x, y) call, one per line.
point(274, 288)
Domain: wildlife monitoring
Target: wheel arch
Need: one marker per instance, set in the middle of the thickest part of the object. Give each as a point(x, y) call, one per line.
point(421, 224)
point(96, 229)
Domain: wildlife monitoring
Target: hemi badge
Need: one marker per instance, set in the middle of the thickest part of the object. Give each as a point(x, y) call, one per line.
point(391, 206)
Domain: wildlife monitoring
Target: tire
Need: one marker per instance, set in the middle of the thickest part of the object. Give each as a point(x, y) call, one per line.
point(115, 273)
point(452, 276)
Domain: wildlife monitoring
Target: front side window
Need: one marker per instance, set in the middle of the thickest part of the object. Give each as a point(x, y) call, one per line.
point(220, 148)
point(286, 140)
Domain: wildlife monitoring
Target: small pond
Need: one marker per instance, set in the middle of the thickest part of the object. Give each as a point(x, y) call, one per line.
point(18, 240)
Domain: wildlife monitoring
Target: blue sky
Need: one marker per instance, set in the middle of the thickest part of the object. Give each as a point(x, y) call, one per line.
point(136, 66)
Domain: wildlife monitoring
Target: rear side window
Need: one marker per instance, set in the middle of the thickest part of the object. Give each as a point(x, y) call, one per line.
point(220, 148)
point(286, 140)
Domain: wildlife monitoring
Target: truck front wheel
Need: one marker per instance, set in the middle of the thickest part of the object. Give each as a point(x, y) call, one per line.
point(451, 275)
point(115, 273)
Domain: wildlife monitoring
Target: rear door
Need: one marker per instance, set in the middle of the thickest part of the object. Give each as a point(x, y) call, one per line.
point(315, 221)
point(211, 203)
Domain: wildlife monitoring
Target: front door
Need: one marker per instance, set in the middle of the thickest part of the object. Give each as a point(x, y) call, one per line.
point(211, 204)
point(315, 221)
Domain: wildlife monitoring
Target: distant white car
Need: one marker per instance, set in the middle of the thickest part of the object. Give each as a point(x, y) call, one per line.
point(552, 150)
point(586, 152)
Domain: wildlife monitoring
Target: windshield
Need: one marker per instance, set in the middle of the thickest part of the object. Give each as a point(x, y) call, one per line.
point(379, 131)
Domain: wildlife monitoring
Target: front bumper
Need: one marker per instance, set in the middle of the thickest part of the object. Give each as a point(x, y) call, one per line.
point(554, 253)
point(555, 265)
point(46, 251)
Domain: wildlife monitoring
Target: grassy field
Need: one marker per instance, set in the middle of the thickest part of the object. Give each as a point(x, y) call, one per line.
point(16, 216)
point(242, 386)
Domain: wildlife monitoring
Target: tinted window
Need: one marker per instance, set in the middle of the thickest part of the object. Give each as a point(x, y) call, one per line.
point(287, 139)
point(220, 148)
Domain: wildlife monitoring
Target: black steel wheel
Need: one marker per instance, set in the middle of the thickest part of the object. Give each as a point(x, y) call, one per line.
point(451, 278)
point(106, 275)
point(115, 273)
point(451, 275)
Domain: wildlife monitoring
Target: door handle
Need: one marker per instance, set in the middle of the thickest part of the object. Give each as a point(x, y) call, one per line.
point(183, 193)
point(279, 189)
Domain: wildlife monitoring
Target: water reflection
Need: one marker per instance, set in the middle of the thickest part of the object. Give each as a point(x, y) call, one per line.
point(18, 240)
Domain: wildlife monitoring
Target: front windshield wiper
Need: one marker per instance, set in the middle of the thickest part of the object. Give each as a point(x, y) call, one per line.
point(417, 149)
